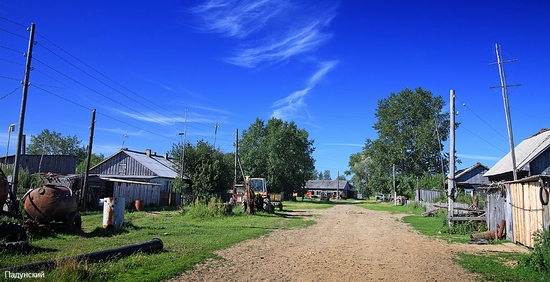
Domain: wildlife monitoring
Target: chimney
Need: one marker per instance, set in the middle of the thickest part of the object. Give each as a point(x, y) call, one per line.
point(154, 153)
point(148, 152)
point(166, 155)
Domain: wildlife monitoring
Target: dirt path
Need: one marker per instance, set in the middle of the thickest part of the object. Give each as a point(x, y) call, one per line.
point(348, 243)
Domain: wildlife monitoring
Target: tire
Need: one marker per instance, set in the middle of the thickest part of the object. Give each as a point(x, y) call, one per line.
point(12, 232)
point(543, 195)
point(267, 206)
point(73, 222)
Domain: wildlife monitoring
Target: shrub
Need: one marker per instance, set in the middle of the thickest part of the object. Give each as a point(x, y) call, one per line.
point(539, 260)
point(202, 208)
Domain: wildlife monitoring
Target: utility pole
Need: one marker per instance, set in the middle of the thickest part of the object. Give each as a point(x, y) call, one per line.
point(86, 173)
point(338, 186)
point(26, 84)
point(215, 133)
point(451, 179)
point(11, 129)
point(236, 155)
point(394, 188)
point(183, 146)
point(504, 88)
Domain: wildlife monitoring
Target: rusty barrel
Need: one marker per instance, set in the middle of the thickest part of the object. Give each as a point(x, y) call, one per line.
point(50, 203)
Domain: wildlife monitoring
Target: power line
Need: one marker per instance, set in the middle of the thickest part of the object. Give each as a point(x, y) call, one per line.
point(464, 104)
point(13, 22)
point(97, 92)
point(108, 78)
point(10, 93)
point(110, 117)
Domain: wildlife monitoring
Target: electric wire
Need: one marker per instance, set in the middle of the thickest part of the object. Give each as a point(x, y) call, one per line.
point(13, 22)
point(11, 49)
point(13, 91)
point(99, 113)
point(464, 104)
point(105, 76)
point(112, 88)
point(97, 92)
point(13, 33)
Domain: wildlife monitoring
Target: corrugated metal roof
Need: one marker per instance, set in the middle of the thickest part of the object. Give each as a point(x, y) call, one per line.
point(159, 165)
point(526, 151)
point(466, 170)
point(326, 184)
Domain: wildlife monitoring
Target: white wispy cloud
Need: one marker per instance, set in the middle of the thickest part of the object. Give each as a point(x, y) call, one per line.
point(478, 157)
point(149, 117)
point(237, 18)
point(344, 144)
point(295, 103)
point(286, 28)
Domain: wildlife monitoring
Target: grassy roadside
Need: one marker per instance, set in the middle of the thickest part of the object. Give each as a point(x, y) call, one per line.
point(187, 241)
point(490, 266)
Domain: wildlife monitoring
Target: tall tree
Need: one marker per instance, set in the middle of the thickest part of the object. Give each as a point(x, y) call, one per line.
point(278, 151)
point(207, 168)
point(53, 143)
point(411, 130)
point(326, 175)
point(93, 161)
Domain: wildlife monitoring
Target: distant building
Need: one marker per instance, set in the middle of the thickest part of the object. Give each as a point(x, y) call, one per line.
point(330, 187)
point(471, 178)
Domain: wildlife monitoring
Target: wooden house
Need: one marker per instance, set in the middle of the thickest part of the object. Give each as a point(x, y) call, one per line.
point(134, 176)
point(331, 188)
point(532, 158)
point(518, 202)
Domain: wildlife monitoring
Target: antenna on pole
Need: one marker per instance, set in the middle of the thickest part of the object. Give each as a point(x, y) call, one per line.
point(504, 88)
point(124, 139)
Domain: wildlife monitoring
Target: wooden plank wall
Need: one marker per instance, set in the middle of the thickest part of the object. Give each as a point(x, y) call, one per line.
point(133, 191)
point(528, 213)
point(495, 209)
point(422, 195)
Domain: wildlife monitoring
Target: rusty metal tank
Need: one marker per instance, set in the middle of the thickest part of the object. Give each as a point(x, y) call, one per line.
point(53, 203)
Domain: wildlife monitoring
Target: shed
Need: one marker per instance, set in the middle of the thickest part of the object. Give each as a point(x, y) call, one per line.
point(331, 187)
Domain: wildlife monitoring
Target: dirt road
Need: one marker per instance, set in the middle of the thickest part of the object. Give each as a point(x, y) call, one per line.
point(347, 244)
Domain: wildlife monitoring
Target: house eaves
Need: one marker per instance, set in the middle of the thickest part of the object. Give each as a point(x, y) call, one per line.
point(525, 152)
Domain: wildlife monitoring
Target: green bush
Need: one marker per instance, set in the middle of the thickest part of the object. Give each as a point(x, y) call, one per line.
point(539, 260)
point(460, 227)
point(203, 208)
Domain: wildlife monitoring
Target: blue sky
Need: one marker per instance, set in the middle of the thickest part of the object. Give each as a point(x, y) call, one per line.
point(153, 68)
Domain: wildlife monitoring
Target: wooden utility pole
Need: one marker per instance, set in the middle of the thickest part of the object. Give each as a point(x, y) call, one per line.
point(504, 88)
point(26, 84)
point(236, 155)
point(86, 173)
point(394, 188)
point(451, 179)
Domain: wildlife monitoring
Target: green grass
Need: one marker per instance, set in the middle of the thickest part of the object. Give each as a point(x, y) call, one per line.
point(500, 267)
point(187, 241)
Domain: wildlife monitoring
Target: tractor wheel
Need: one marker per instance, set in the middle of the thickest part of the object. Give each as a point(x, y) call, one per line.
point(73, 222)
point(12, 232)
point(267, 206)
